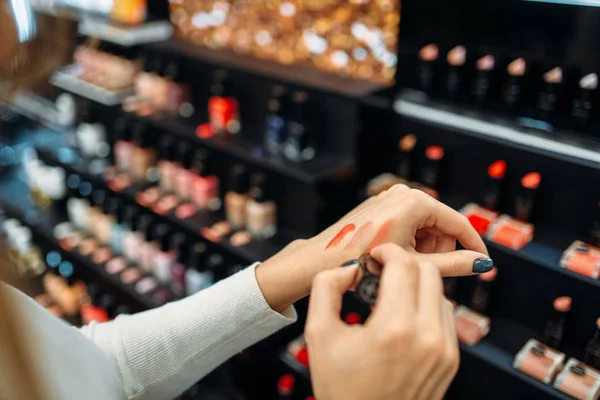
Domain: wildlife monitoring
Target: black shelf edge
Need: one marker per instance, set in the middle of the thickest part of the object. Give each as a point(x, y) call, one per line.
point(503, 361)
point(301, 75)
point(321, 167)
point(42, 225)
point(254, 251)
point(540, 252)
point(415, 105)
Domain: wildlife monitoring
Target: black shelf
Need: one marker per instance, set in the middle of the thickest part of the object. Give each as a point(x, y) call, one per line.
point(254, 251)
point(321, 167)
point(17, 205)
point(502, 361)
point(305, 76)
point(556, 144)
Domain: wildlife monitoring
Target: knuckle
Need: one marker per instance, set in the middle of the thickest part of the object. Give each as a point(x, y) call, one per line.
point(395, 334)
point(431, 344)
point(312, 331)
point(430, 270)
point(322, 280)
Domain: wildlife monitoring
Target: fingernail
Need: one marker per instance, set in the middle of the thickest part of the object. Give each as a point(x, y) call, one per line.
point(482, 265)
point(349, 263)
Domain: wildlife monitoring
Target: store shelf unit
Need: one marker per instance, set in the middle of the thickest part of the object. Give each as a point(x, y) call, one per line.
point(252, 252)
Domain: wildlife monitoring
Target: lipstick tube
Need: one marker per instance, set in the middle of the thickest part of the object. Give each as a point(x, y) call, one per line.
point(582, 106)
point(481, 294)
point(430, 171)
point(496, 173)
point(592, 351)
point(406, 156)
point(555, 326)
point(513, 88)
point(428, 55)
point(456, 60)
point(548, 97)
point(525, 200)
point(482, 82)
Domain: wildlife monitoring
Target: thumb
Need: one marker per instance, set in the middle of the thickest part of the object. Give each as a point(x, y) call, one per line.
point(459, 263)
point(325, 302)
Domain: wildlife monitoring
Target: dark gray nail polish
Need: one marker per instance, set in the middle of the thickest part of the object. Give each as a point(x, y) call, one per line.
point(349, 263)
point(483, 265)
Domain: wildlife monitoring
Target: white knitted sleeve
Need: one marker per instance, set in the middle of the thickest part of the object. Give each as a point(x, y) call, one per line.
point(161, 352)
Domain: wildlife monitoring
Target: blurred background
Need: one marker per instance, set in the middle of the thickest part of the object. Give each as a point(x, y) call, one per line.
point(212, 133)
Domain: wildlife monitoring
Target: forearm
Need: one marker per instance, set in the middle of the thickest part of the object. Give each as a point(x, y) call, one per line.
point(161, 352)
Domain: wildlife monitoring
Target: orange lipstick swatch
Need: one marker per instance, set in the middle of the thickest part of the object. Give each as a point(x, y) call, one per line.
point(337, 239)
point(381, 236)
point(360, 235)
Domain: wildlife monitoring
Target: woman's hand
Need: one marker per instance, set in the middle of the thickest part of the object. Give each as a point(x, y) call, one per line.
point(407, 217)
point(407, 349)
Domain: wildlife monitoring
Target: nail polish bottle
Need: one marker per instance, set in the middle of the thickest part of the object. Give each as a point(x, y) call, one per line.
point(166, 164)
point(428, 55)
point(471, 324)
point(541, 360)
point(512, 90)
point(196, 276)
point(582, 380)
point(222, 105)
point(261, 211)
point(155, 236)
point(496, 173)
point(144, 156)
point(275, 122)
point(237, 196)
point(582, 258)
point(124, 147)
point(183, 174)
point(166, 257)
point(525, 200)
point(548, 97)
point(298, 145)
point(134, 240)
point(204, 184)
point(406, 156)
point(456, 60)
point(582, 106)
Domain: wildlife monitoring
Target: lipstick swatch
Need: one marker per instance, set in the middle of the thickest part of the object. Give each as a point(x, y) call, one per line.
point(360, 234)
point(337, 239)
point(381, 235)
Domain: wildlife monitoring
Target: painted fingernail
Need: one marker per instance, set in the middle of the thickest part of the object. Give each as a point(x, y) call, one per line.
point(349, 263)
point(483, 265)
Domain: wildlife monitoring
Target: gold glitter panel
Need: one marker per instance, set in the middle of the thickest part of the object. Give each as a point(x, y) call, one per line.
point(353, 38)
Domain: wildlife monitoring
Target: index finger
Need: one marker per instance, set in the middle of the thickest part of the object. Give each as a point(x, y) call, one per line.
point(432, 213)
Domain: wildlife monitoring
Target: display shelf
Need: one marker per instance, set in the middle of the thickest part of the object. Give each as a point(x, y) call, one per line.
point(125, 35)
point(301, 75)
point(503, 361)
point(35, 107)
point(289, 361)
point(67, 78)
point(17, 205)
point(570, 148)
point(321, 167)
point(545, 250)
point(250, 253)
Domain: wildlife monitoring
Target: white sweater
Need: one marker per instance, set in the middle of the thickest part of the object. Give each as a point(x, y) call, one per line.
point(156, 354)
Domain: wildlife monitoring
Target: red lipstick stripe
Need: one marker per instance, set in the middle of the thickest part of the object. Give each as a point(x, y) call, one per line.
point(381, 235)
point(340, 236)
point(360, 235)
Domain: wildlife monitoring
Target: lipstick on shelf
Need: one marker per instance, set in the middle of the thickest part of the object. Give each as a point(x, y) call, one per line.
point(297, 350)
point(548, 97)
point(428, 55)
point(513, 89)
point(275, 134)
point(237, 196)
point(583, 104)
point(496, 173)
point(542, 361)
point(144, 156)
point(285, 386)
point(525, 200)
point(155, 235)
point(197, 277)
point(406, 156)
point(135, 238)
point(166, 256)
point(223, 108)
point(166, 164)
point(582, 258)
point(456, 60)
point(91, 309)
point(183, 175)
point(261, 211)
point(483, 80)
point(582, 380)
point(124, 147)
point(471, 323)
point(430, 171)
